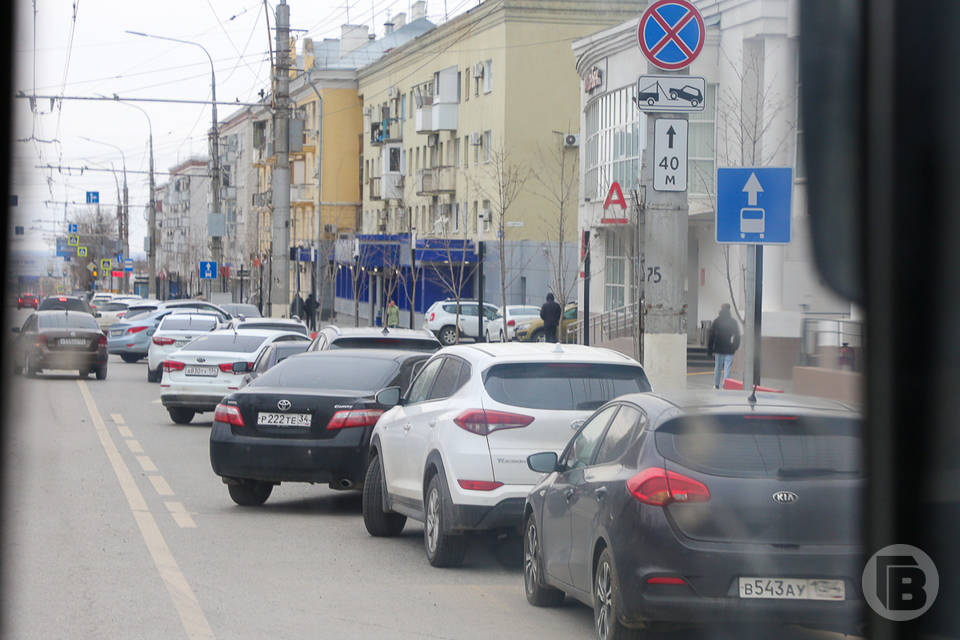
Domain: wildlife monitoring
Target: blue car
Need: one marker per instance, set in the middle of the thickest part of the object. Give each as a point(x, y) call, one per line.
point(130, 339)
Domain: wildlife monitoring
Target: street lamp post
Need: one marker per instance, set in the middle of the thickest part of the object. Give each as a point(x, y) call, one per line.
point(124, 226)
point(216, 245)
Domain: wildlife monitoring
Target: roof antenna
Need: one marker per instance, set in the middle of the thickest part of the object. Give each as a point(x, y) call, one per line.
point(752, 398)
point(558, 348)
point(385, 330)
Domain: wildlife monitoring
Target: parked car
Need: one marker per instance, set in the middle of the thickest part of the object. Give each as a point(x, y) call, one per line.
point(517, 314)
point(452, 450)
point(110, 312)
point(441, 319)
point(702, 507)
point(130, 338)
point(174, 332)
point(689, 93)
point(28, 300)
point(65, 303)
point(274, 354)
point(532, 331)
point(237, 310)
point(308, 419)
point(275, 324)
point(60, 340)
point(198, 376)
point(334, 337)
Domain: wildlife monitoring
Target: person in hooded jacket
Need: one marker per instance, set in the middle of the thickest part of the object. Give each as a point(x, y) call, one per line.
point(723, 343)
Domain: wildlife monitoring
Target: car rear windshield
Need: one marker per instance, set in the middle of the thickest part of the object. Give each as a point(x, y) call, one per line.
point(267, 326)
point(111, 306)
point(330, 372)
point(406, 344)
point(64, 321)
point(70, 304)
point(226, 342)
point(246, 310)
point(757, 446)
point(185, 323)
point(562, 386)
point(135, 312)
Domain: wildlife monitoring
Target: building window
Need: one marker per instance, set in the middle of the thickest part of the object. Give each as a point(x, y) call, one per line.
point(487, 145)
point(613, 143)
point(455, 145)
point(466, 152)
point(475, 214)
point(702, 161)
point(476, 154)
point(466, 85)
point(403, 107)
point(486, 217)
point(615, 271)
point(488, 76)
point(456, 216)
point(394, 160)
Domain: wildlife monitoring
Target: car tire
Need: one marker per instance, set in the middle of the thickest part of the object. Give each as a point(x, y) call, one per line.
point(694, 102)
point(443, 549)
point(154, 375)
point(29, 369)
point(379, 523)
point(606, 603)
point(101, 371)
point(539, 336)
point(673, 95)
point(447, 335)
point(250, 493)
point(538, 594)
point(130, 358)
point(180, 415)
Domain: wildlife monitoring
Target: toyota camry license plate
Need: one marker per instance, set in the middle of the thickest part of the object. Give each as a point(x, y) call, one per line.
point(283, 419)
point(792, 588)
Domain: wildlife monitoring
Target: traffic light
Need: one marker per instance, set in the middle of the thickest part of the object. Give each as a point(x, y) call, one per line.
point(94, 273)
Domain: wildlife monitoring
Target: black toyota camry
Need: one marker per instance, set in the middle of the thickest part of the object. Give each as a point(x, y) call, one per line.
point(307, 419)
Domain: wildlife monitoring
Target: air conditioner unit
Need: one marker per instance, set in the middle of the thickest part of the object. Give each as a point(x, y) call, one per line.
point(475, 139)
point(483, 215)
point(571, 140)
point(393, 92)
point(478, 70)
point(433, 139)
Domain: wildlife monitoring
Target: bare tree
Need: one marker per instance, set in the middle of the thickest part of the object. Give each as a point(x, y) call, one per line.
point(455, 273)
point(557, 185)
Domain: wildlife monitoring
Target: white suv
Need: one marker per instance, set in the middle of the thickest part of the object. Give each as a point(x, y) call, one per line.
point(453, 451)
point(441, 319)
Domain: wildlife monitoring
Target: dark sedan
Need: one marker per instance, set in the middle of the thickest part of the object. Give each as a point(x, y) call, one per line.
point(60, 340)
point(65, 303)
point(702, 508)
point(334, 337)
point(307, 419)
point(27, 300)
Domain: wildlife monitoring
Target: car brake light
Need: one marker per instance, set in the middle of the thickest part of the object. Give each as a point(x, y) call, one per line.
point(229, 414)
point(479, 485)
point(354, 418)
point(658, 487)
point(102, 341)
point(41, 340)
point(483, 422)
point(665, 580)
point(172, 365)
point(162, 341)
point(136, 329)
point(511, 323)
point(61, 299)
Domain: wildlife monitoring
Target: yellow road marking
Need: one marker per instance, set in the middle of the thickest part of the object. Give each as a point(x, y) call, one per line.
point(134, 446)
point(117, 418)
point(194, 622)
point(146, 463)
point(161, 485)
point(701, 373)
point(180, 515)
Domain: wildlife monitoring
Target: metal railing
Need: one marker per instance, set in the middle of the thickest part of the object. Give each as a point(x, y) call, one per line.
point(824, 333)
point(621, 322)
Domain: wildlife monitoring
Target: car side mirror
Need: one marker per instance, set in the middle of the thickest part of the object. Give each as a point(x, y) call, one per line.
point(389, 397)
point(241, 317)
point(15, 329)
point(97, 314)
point(544, 462)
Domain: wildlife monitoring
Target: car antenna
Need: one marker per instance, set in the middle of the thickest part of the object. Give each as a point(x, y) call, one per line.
point(558, 348)
point(385, 331)
point(752, 398)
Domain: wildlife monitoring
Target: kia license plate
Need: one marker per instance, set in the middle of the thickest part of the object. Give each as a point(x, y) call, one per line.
point(117, 332)
point(266, 419)
point(73, 342)
point(180, 343)
point(201, 370)
point(792, 588)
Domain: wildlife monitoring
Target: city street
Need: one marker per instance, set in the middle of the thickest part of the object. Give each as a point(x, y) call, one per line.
point(118, 528)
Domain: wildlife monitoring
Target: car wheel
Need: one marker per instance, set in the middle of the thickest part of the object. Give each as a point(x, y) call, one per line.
point(694, 102)
point(154, 375)
point(181, 415)
point(606, 603)
point(651, 101)
point(379, 523)
point(538, 593)
point(673, 95)
point(540, 336)
point(29, 368)
point(250, 493)
point(448, 335)
point(443, 549)
point(101, 371)
point(129, 357)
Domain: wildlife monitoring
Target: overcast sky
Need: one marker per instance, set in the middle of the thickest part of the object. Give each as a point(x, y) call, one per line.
point(103, 59)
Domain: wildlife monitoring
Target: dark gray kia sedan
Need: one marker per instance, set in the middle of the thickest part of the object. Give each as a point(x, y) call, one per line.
point(702, 507)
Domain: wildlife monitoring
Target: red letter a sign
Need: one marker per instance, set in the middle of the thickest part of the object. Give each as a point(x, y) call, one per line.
point(614, 196)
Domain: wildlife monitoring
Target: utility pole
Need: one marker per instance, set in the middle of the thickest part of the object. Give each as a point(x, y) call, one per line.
point(125, 233)
point(280, 218)
point(152, 230)
point(216, 240)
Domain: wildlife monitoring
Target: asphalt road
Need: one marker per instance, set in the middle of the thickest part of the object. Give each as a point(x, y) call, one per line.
point(117, 528)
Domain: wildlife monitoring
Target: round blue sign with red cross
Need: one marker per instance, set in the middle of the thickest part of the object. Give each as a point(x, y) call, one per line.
point(671, 33)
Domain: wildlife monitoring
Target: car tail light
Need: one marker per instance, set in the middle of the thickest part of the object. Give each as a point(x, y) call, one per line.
point(162, 341)
point(659, 487)
point(102, 341)
point(121, 314)
point(432, 316)
point(136, 329)
point(41, 340)
point(511, 323)
point(172, 365)
point(354, 418)
point(666, 580)
point(228, 413)
point(227, 367)
point(483, 422)
point(61, 299)
point(479, 485)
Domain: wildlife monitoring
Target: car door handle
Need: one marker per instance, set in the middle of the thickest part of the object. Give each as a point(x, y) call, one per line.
point(600, 494)
point(568, 495)
point(407, 426)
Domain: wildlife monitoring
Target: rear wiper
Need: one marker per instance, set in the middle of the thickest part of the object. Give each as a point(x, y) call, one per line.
point(811, 472)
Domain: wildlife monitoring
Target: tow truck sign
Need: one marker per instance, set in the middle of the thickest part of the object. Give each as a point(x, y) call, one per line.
point(673, 94)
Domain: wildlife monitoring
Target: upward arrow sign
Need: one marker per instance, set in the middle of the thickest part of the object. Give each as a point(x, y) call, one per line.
point(752, 188)
point(670, 134)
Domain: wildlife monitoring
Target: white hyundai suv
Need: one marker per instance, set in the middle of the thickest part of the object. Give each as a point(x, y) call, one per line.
point(441, 319)
point(452, 452)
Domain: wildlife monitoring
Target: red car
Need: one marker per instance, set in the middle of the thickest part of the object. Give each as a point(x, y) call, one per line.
point(28, 300)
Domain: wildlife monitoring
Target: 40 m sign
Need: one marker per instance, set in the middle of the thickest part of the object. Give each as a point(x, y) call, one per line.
point(670, 154)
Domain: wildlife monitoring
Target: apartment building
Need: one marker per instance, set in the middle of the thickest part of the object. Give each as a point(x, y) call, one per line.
point(182, 228)
point(238, 184)
point(455, 119)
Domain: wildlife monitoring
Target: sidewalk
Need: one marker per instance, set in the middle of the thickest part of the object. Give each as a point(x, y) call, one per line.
point(701, 378)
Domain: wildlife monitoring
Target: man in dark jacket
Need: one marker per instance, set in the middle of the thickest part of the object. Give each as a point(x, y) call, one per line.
point(310, 309)
point(550, 313)
point(724, 342)
point(296, 306)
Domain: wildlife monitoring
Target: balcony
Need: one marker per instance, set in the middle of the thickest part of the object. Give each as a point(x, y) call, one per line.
point(228, 193)
point(386, 131)
point(309, 140)
point(445, 116)
point(263, 198)
point(392, 186)
point(437, 180)
point(374, 188)
point(301, 194)
point(424, 116)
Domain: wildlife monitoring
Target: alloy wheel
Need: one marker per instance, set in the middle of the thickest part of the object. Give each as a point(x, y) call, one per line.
point(604, 601)
point(530, 558)
point(433, 520)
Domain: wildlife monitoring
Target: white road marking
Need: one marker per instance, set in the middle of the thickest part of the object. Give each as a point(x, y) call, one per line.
point(180, 515)
point(157, 401)
point(161, 485)
point(134, 446)
point(194, 622)
point(146, 463)
point(117, 418)
point(125, 431)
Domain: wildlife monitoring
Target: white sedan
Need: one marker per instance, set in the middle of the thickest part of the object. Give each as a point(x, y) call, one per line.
point(110, 311)
point(517, 314)
point(173, 333)
point(272, 324)
point(198, 376)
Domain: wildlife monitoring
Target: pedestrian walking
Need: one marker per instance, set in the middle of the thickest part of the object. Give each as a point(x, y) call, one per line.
point(550, 313)
point(393, 314)
point(310, 307)
point(296, 306)
point(723, 343)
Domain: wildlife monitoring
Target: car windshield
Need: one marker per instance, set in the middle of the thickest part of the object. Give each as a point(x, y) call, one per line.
point(68, 321)
point(182, 323)
point(378, 342)
point(330, 372)
point(562, 386)
point(226, 342)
